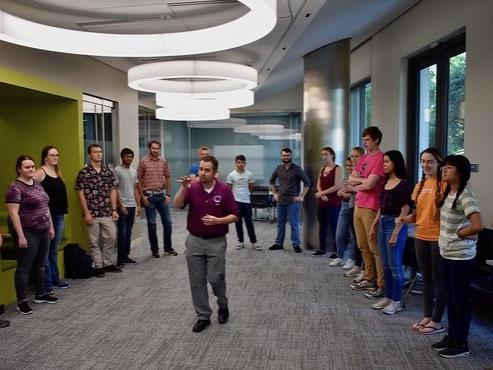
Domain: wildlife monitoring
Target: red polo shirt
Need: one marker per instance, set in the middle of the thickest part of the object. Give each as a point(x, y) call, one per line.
point(219, 202)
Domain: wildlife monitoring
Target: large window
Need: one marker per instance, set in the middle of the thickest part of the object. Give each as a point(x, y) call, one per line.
point(99, 117)
point(360, 111)
point(436, 102)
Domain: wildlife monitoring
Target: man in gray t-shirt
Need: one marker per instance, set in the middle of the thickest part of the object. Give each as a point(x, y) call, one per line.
point(241, 182)
point(128, 204)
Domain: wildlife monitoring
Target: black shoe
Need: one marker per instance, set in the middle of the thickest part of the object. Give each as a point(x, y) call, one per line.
point(45, 298)
point(99, 272)
point(297, 249)
point(4, 323)
point(445, 343)
point(318, 253)
point(200, 325)
point(333, 255)
point(155, 254)
point(112, 268)
point(120, 264)
point(129, 260)
point(23, 308)
point(455, 351)
point(170, 252)
point(223, 315)
point(275, 247)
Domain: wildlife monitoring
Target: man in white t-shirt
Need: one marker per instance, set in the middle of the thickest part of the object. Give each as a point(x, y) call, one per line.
point(128, 204)
point(241, 182)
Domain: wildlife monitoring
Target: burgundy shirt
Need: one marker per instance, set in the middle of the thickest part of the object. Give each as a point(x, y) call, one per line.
point(327, 181)
point(34, 212)
point(219, 202)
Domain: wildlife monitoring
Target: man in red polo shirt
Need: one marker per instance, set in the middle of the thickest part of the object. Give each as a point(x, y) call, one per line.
point(211, 208)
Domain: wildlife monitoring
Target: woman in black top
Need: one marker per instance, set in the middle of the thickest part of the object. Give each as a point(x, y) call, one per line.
point(50, 176)
point(395, 199)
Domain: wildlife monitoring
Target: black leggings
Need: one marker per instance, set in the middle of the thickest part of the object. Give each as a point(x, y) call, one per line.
point(38, 243)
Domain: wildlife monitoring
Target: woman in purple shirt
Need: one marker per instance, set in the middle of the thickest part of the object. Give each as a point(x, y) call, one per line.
point(31, 228)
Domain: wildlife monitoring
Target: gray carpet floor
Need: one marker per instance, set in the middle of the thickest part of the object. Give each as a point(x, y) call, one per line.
point(288, 311)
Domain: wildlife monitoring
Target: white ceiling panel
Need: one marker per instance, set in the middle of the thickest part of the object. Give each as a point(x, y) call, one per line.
point(64, 5)
point(136, 27)
point(281, 51)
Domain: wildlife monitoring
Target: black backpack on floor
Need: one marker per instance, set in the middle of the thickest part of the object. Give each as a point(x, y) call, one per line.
point(78, 264)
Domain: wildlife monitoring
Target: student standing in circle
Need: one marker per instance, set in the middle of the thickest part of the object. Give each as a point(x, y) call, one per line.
point(50, 177)
point(31, 228)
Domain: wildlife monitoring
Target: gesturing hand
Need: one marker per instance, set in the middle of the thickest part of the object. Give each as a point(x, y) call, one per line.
point(210, 220)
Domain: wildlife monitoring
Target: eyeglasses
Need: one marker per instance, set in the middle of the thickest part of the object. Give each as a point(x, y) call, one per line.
point(53, 155)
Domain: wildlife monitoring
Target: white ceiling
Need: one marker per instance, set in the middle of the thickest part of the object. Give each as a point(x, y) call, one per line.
point(277, 57)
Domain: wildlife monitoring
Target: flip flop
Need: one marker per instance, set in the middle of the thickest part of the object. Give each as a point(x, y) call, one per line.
point(417, 326)
point(428, 330)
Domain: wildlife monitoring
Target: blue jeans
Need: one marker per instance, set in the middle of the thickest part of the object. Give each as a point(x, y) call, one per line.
point(157, 203)
point(391, 256)
point(125, 225)
point(52, 276)
point(291, 211)
point(327, 225)
point(456, 279)
point(345, 239)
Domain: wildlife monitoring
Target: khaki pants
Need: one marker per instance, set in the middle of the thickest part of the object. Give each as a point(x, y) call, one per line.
point(363, 218)
point(102, 237)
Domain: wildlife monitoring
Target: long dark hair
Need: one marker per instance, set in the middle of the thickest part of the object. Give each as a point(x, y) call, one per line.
point(20, 159)
point(463, 170)
point(44, 154)
point(399, 165)
point(439, 158)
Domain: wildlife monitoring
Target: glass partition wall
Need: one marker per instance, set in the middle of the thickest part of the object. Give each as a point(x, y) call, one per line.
point(99, 117)
point(181, 142)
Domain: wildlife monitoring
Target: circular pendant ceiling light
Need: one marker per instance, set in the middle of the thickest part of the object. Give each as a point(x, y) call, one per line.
point(194, 90)
point(255, 24)
point(233, 99)
point(259, 129)
point(198, 112)
point(225, 123)
point(192, 76)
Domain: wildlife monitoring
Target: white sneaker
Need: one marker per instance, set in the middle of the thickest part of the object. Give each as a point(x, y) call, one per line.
point(240, 246)
point(392, 308)
point(353, 272)
point(256, 247)
point(336, 262)
point(348, 265)
point(381, 304)
point(360, 276)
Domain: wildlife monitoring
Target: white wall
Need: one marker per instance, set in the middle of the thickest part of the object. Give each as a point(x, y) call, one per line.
point(386, 59)
point(85, 74)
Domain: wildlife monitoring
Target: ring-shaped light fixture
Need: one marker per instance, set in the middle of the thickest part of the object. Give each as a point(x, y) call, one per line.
point(283, 132)
point(259, 129)
point(255, 24)
point(192, 76)
point(225, 123)
point(196, 112)
point(233, 99)
point(296, 137)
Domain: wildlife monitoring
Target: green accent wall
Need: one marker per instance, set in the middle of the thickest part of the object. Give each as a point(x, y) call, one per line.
point(35, 113)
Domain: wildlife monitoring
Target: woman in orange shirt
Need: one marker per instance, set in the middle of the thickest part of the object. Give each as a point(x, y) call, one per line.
point(427, 195)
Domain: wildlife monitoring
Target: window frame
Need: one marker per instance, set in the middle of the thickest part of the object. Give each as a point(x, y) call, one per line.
point(360, 88)
point(439, 55)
